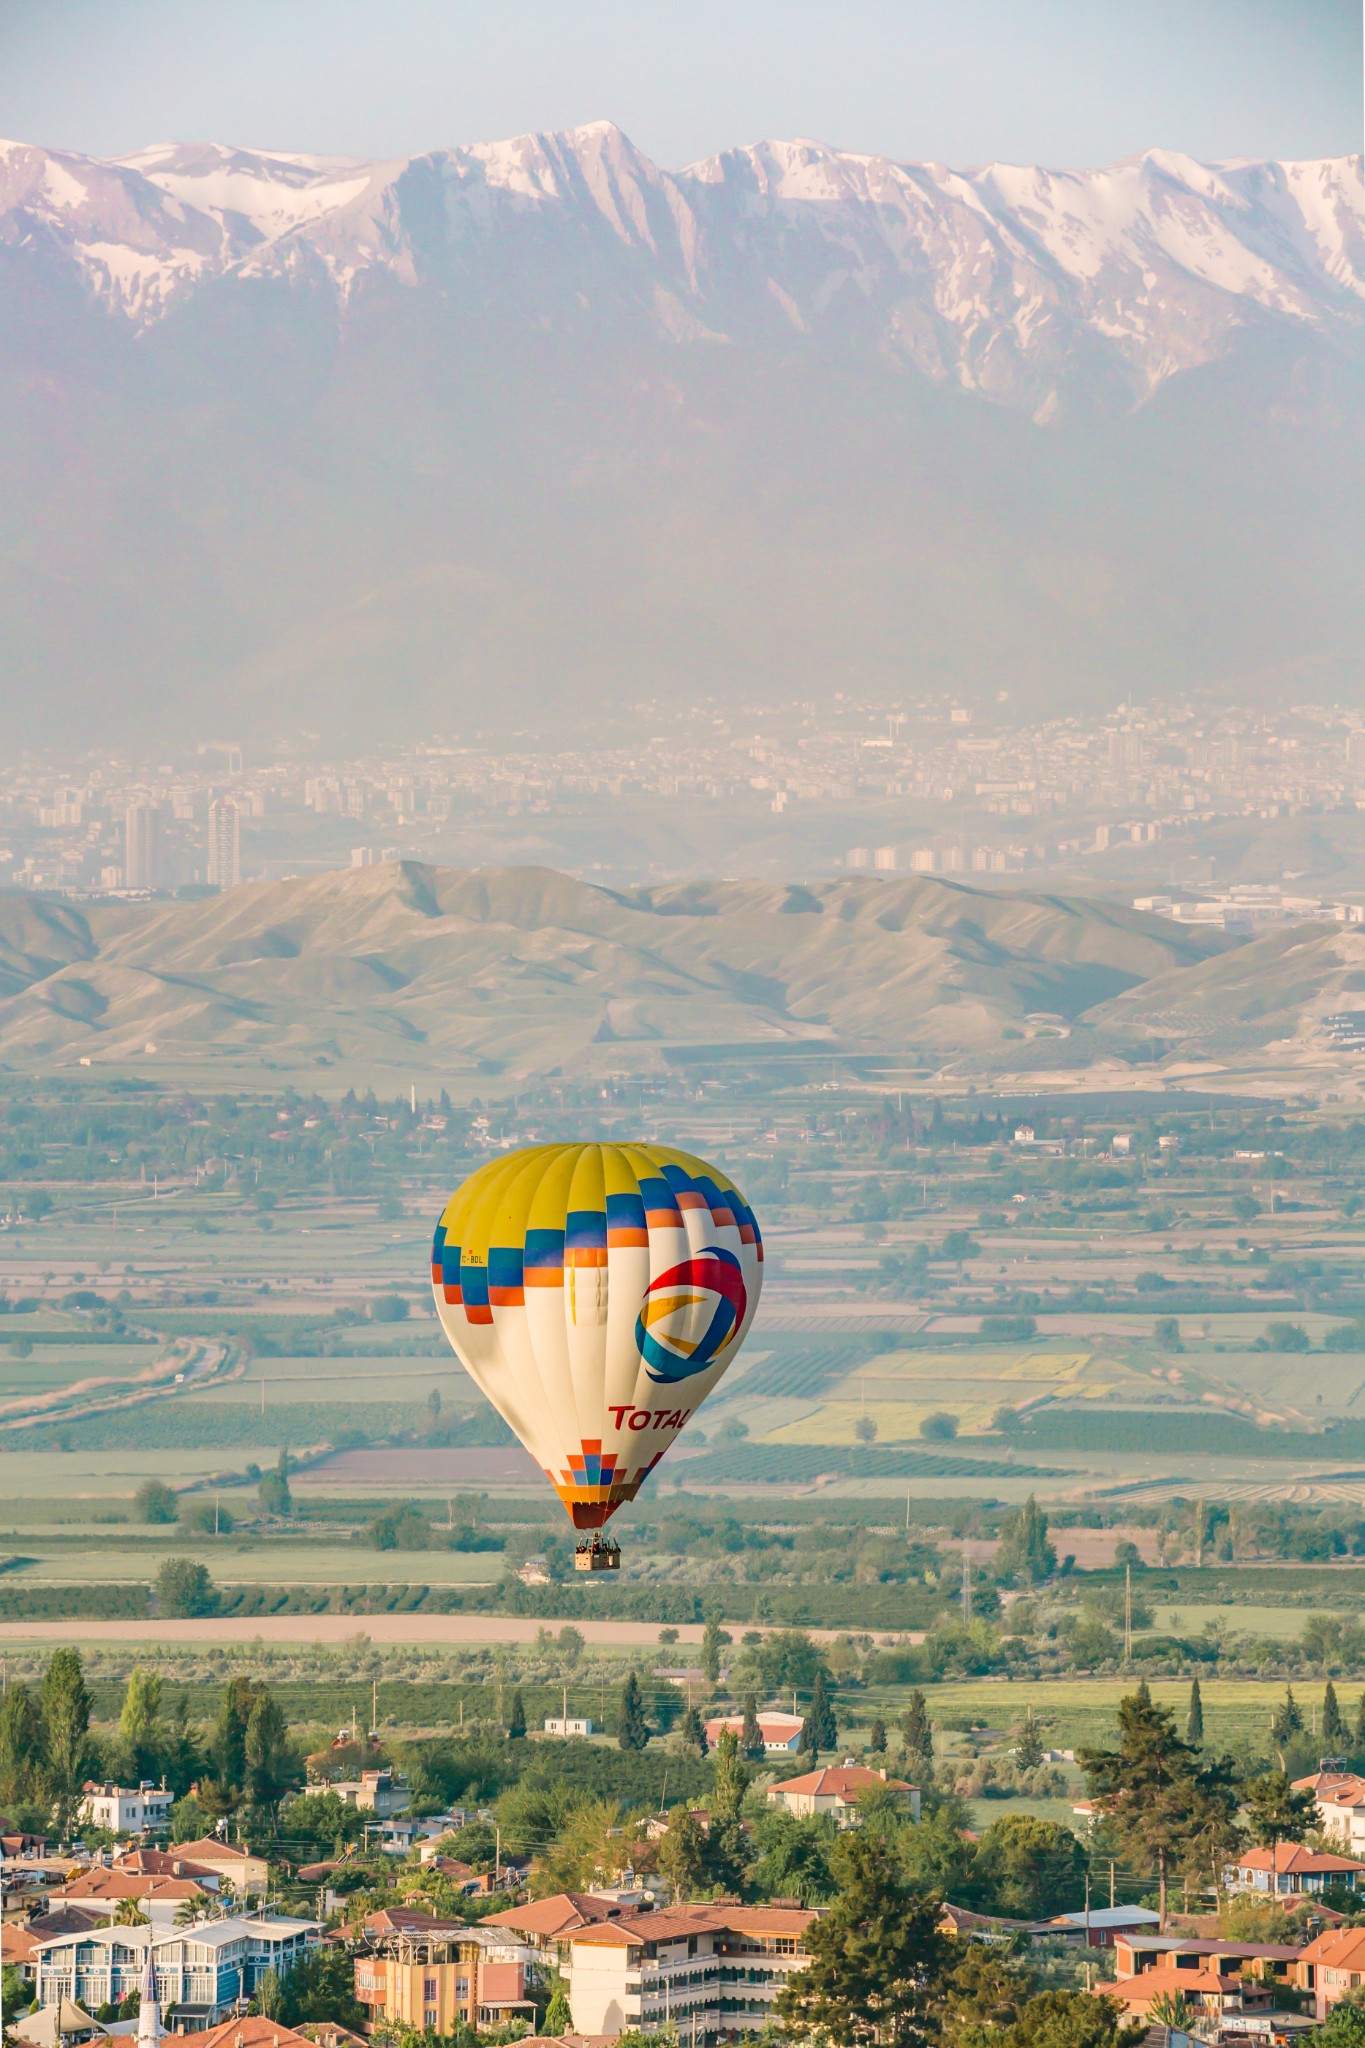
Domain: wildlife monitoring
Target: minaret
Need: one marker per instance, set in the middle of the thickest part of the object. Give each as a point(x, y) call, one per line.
point(149, 2028)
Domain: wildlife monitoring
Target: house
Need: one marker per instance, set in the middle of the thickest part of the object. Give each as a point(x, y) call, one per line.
point(204, 1968)
point(1209, 1995)
point(383, 1793)
point(160, 1898)
point(836, 1789)
point(121, 1811)
point(1290, 1869)
point(441, 1975)
point(546, 1925)
point(1267, 1962)
point(717, 1969)
point(1330, 1966)
point(165, 1863)
point(251, 2031)
point(781, 1732)
point(1100, 1927)
point(568, 1724)
point(1340, 1799)
point(231, 1864)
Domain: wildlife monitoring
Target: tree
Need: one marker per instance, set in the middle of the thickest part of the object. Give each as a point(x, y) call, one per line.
point(1194, 1719)
point(731, 1780)
point(865, 1429)
point(141, 1736)
point(1028, 1750)
point(65, 1707)
point(877, 1957)
point(1334, 1731)
point(1275, 1811)
point(691, 1736)
point(21, 1746)
point(270, 1766)
point(794, 1856)
point(1065, 2019)
point(183, 1587)
point(227, 1744)
point(682, 1854)
point(751, 1735)
point(129, 1913)
point(321, 1987)
point(1344, 2026)
point(917, 1733)
point(558, 2014)
point(819, 1730)
point(272, 1494)
point(876, 1738)
point(1171, 2009)
point(389, 1308)
point(1025, 1553)
point(1166, 1334)
point(1164, 1805)
point(713, 1639)
point(1287, 1722)
point(516, 1717)
point(632, 1729)
point(154, 1502)
point(939, 1428)
point(1030, 1868)
point(1358, 1740)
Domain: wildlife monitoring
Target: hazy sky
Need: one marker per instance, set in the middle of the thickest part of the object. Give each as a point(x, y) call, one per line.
point(1059, 81)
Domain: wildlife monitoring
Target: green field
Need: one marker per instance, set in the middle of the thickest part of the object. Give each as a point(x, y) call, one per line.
point(232, 1563)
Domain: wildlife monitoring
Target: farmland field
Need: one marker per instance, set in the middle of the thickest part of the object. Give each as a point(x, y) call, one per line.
point(276, 1563)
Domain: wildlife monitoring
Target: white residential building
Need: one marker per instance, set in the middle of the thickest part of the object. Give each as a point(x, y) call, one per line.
point(126, 1811)
point(711, 1971)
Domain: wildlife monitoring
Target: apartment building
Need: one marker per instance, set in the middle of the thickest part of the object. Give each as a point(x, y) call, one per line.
point(203, 1969)
point(1330, 1966)
point(126, 1810)
point(712, 1971)
point(435, 1975)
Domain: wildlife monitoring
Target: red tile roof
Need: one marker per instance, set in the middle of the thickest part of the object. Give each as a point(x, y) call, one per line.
point(561, 1913)
point(840, 1781)
point(1291, 1859)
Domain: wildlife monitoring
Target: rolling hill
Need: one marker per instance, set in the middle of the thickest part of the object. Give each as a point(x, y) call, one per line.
point(522, 971)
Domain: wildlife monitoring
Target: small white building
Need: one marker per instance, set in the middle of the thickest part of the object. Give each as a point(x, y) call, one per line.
point(572, 1724)
point(124, 1810)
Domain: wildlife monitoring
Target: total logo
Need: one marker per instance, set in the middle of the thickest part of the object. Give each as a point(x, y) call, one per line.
point(690, 1315)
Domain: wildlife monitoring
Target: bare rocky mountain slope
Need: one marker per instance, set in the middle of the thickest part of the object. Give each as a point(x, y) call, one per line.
point(522, 971)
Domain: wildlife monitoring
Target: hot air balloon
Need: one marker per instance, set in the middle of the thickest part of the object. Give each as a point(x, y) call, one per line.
point(596, 1294)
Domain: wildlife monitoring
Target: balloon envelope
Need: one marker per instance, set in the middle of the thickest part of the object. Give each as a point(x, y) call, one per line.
point(596, 1294)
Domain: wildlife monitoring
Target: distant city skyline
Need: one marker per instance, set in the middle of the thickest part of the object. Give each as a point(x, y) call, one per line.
point(1062, 82)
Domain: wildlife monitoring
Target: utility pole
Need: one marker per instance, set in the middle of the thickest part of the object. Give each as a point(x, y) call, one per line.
point(1111, 1881)
point(564, 1722)
point(1127, 1614)
point(966, 1583)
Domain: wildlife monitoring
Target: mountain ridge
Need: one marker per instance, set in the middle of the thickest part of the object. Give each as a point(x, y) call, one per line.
point(521, 971)
point(999, 280)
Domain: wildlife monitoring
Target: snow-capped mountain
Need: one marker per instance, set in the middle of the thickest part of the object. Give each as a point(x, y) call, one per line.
point(1017, 283)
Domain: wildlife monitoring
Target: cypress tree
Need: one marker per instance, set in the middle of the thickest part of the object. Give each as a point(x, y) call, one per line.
point(66, 1734)
point(751, 1735)
point(1194, 1720)
point(21, 1745)
point(1333, 1727)
point(692, 1736)
point(819, 1730)
point(632, 1729)
point(516, 1724)
point(917, 1732)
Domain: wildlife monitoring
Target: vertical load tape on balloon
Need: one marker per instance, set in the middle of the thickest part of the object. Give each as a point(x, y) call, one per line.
point(596, 1294)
